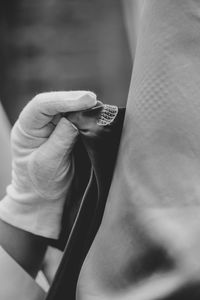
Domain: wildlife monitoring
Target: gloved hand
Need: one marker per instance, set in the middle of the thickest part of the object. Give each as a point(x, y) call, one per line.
point(42, 165)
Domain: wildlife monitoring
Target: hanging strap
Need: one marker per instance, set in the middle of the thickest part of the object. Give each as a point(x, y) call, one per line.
point(95, 156)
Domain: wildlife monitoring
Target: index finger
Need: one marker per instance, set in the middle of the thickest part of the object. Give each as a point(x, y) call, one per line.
point(40, 111)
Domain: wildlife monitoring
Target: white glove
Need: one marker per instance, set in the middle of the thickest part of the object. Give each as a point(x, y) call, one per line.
point(42, 168)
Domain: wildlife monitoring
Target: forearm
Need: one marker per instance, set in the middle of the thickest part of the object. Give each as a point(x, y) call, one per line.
point(25, 248)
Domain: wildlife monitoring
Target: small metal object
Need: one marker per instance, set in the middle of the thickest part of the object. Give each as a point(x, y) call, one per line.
point(107, 115)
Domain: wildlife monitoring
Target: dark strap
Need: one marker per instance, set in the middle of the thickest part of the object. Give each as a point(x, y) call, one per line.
point(95, 156)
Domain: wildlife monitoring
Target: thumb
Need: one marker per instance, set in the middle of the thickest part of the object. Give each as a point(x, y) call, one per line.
point(62, 139)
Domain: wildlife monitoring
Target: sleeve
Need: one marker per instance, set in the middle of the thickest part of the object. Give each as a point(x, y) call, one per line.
point(149, 239)
point(15, 283)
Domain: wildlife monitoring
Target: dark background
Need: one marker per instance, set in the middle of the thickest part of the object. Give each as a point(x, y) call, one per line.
point(48, 45)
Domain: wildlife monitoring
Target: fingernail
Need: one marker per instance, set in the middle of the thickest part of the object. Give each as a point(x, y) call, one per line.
point(90, 99)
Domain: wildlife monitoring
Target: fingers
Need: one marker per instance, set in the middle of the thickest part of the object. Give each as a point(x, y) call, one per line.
point(44, 107)
point(62, 139)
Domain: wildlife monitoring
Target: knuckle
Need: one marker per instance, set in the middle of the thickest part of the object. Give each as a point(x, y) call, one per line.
point(38, 98)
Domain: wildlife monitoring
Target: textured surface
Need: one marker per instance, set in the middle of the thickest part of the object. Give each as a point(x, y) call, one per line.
point(148, 244)
point(15, 282)
point(62, 45)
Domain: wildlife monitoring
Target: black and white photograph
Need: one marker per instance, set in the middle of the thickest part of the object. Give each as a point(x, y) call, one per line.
point(100, 150)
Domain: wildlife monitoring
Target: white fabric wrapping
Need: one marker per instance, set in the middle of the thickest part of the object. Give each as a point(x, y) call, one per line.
point(42, 165)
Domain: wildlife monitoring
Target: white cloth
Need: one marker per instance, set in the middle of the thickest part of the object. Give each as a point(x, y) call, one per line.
point(42, 166)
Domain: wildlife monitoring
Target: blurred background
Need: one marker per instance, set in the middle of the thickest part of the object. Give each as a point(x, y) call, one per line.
point(50, 45)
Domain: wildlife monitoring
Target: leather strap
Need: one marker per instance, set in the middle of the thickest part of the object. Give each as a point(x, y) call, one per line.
point(95, 156)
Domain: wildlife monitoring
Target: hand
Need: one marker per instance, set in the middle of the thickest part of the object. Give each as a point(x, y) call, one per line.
point(42, 166)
